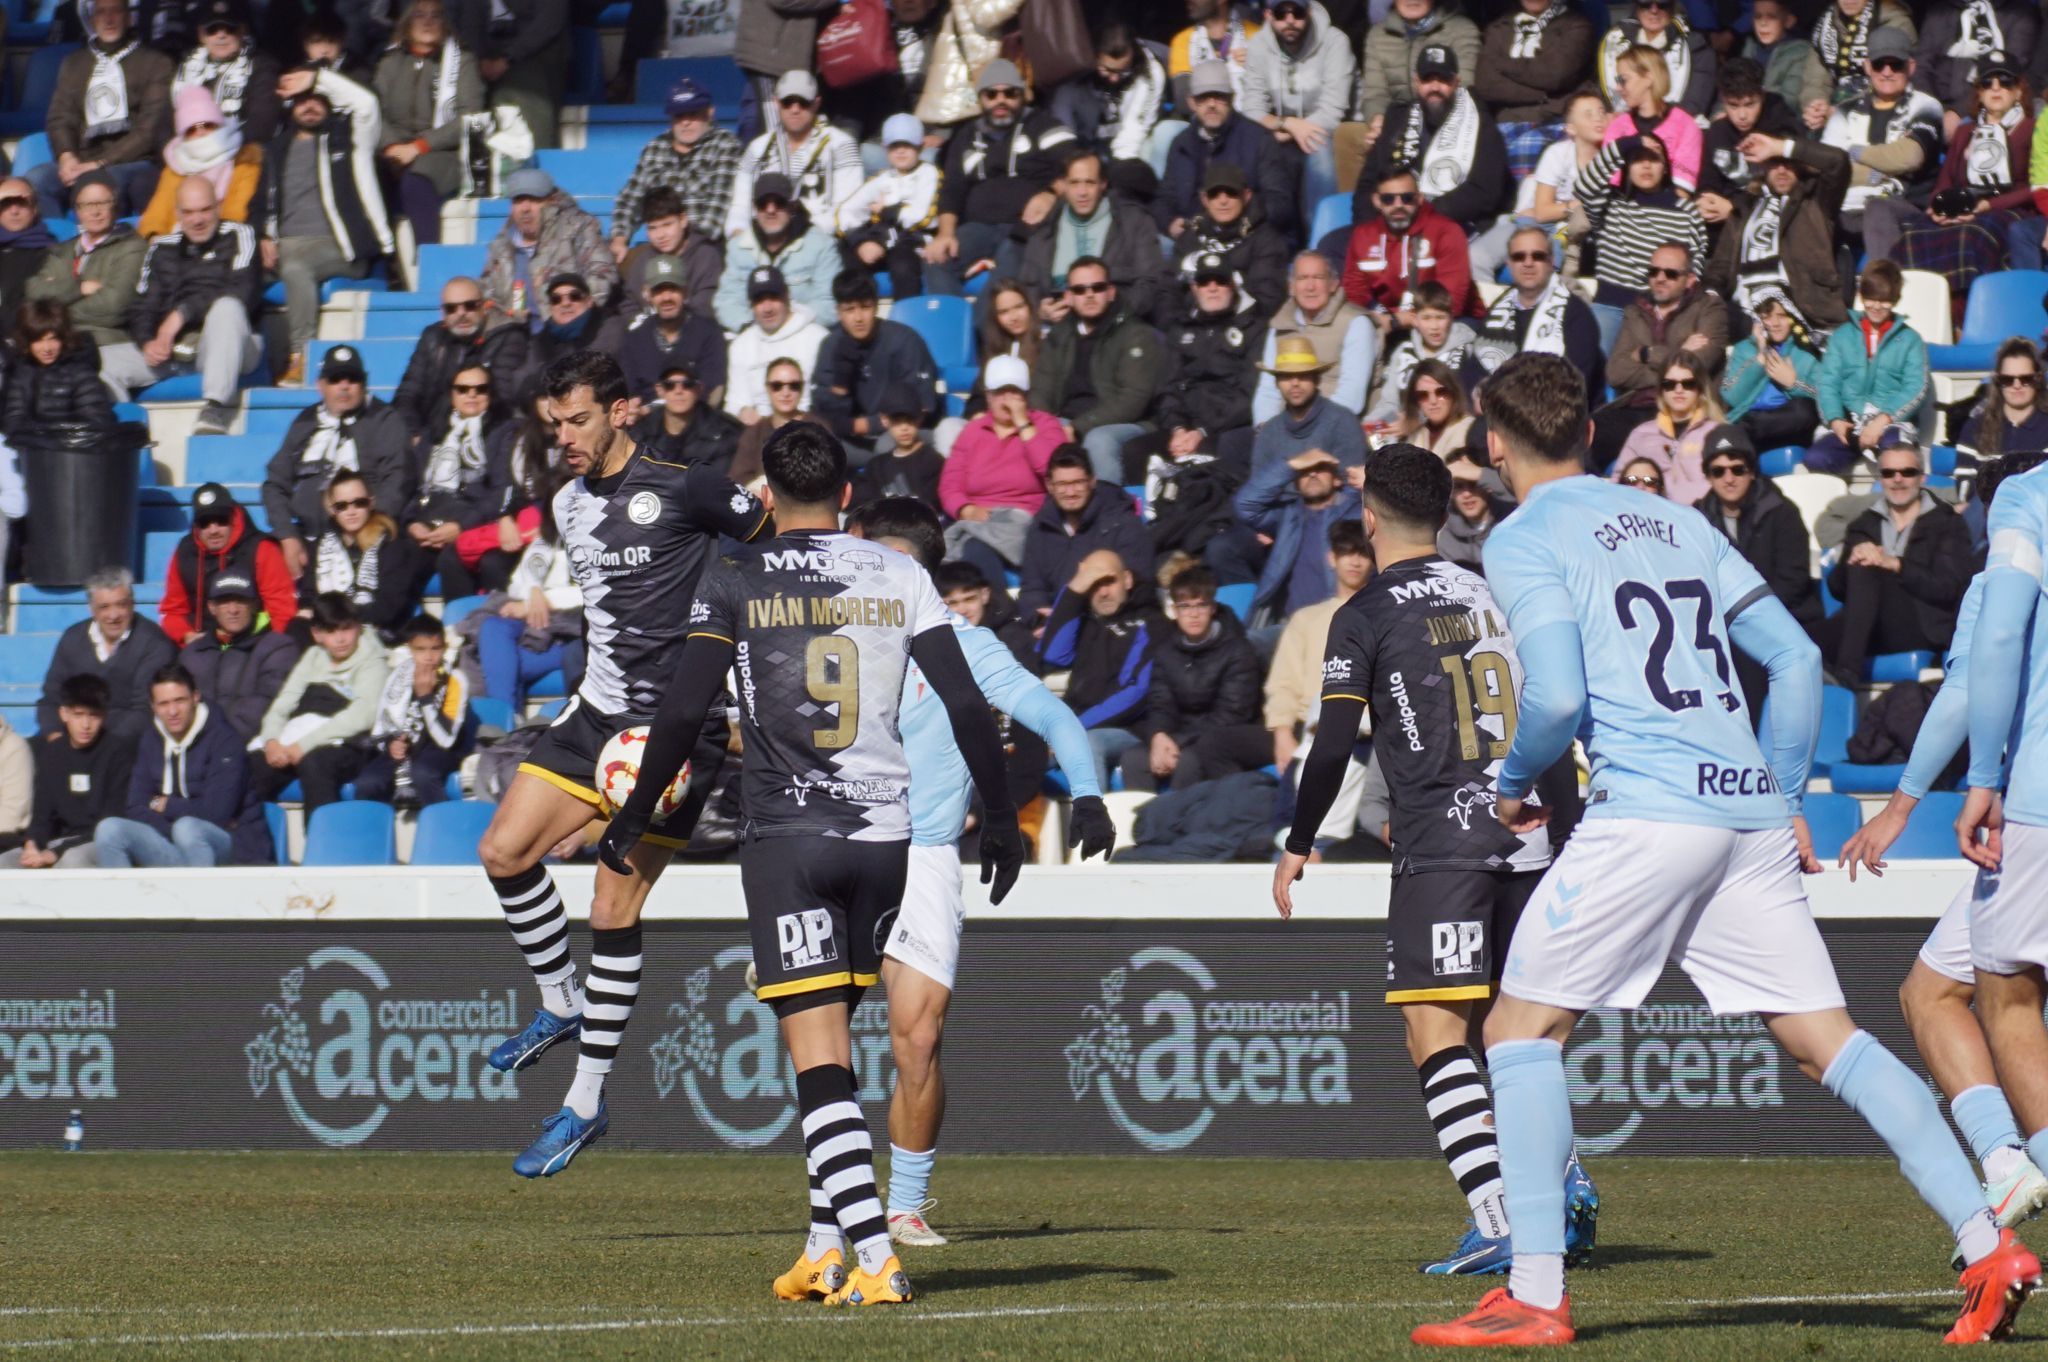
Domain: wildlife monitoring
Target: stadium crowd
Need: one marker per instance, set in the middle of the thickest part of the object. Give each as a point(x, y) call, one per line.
point(1213, 266)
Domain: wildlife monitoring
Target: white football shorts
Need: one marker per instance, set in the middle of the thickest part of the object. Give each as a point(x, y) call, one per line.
point(1627, 895)
point(926, 934)
point(2009, 907)
point(1947, 948)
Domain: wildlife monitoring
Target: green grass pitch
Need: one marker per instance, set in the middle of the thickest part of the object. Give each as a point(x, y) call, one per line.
point(110, 1255)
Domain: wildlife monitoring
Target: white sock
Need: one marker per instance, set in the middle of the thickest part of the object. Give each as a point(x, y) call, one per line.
point(1978, 1236)
point(2000, 1162)
point(821, 1241)
point(563, 996)
point(1537, 1279)
point(584, 1093)
point(1491, 1215)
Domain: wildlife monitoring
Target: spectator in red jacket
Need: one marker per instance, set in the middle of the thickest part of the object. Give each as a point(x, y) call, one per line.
point(1409, 243)
point(223, 540)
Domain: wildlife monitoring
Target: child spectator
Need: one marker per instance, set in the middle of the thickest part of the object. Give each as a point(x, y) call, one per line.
point(421, 734)
point(329, 699)
point(905, 464)
point(888, 221)
point(81, 776)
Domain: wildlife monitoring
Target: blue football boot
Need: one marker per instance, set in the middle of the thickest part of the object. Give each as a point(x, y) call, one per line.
point(562, 1137)
point(1475, 1256)
point(1581, 1213)
point(525, 1049)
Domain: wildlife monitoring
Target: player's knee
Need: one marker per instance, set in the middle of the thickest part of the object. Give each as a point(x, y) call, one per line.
point(503, 856)
point(916, 1042)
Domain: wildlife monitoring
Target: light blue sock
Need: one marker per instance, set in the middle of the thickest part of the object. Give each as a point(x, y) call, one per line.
point(1985, 1119)
point(2037, 1146)
point(1532, 1109)
point(1898, 1106)
point(910, 1175)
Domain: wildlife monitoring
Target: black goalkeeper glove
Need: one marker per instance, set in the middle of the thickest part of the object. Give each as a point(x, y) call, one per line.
point(1089, 828)
point(619, 839)
point(1002, 853)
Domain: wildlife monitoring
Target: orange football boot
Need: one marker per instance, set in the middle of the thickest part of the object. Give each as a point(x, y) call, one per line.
point(1994, 1289)
point(1501, 1321)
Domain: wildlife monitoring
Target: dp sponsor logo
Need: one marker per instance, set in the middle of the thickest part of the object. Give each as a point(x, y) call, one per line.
point(1623, 1067)
point(1196, 1049)
point(342, 1051)
point(724, 1055)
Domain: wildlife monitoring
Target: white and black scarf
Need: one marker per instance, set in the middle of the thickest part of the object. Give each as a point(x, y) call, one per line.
point(1201, 47)
point(335, 570)
point(1445, 162)
point(974, 161)
point(1978, 32)
point(447, 80)
point(1843, 43)
point(1860, 119)
point(1497, 345)
point(333, 445)
point(1987, 162)
point(1760, 268)
point(106, 93)
point(458, 459)
point(1529, 31)
point(229, 80)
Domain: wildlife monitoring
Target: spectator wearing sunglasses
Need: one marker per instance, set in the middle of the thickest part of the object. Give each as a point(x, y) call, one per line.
point(684, 425)
point(1688, 59)
point(359, 552)
point(1644, 97)
point(1903, 568)
point(1477, 506)
point(1673, 313)
point(1434, 413)
point(2010, 419)
point(1983, 195)
point(346, 430)
point(780, 329)
point(225, 63)
point(572, 322)
point(1767, 531)
point(1641, 474)
point(1101, 369)
point(1231, 223)
point(1218, 135)
point(1298, 74)
point(1956, 36)
point(1674, 440)
point(1844, 38)
point(207, 143)
point(671, 330)
point(1889, 162)
point(224, 543)
point(997, 171)
point(1873, 377)
point(451, 464)
point(1402, 244)
point(545, 235)
point(95, 273)
point(1438, 131)
point(1091, 220)
point(803, 254)
point(471, 332)
point(822, 163)
point(784, 388)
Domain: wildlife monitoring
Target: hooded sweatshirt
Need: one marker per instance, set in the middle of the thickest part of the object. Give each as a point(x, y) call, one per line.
point(358, 680)
point(746, 381)
point(1313, 82)
point(249, 552)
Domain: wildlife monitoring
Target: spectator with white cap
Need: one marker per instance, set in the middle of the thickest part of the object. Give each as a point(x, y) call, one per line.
point(1218, 134)
point(821, 161)
point(994, 480)
point(885, 224)
point(784, 235)
point(696, 158)
point(672, 232)
point(779, 330)
point(669, 330)
point(546, 235)
point(998, 171)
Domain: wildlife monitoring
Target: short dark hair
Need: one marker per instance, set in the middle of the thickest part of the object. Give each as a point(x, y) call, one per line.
point(40, 317)
point(1076, 154)
point(805, 464)
point(958, 574)
point(1433, 296)
point(1890, 281)
point(855, 286)
point(174, 674)
point(910, 520)
point(1739, 78)
point(333, 610)
point(1410, 486)
point(662, 201)
point(1348, 536)
point(1089, 262)
point(1069, 455)
point(87, 691)
point(1196, 582)
point(592, 369)
point(422, 625)
point(1114, 39)
point(1537, 403)
point(1395, 170)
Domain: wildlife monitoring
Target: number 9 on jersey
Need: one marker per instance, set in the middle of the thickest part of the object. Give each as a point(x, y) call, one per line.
point(618, 770)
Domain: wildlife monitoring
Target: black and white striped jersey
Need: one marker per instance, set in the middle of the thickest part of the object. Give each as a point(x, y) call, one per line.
point(637, 542)
point(821, 625)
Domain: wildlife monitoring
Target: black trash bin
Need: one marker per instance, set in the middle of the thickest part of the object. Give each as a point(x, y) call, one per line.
point(81, 499)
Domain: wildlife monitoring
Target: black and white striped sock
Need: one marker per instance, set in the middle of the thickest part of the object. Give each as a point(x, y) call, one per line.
point(824, 1234)
point(609, 992)
point(1463, 1116)
point(840, 1153)
point(540, 927)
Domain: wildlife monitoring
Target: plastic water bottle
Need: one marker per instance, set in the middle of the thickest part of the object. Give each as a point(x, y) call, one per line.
point(74, 1132)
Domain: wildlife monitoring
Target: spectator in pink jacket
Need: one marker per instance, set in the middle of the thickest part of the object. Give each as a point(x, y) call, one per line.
point(994, 480)
point(1688, 411)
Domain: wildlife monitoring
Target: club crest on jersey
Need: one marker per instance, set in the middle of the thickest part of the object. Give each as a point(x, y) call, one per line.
point(644, 508)
point(740, 502)
point(805, 938)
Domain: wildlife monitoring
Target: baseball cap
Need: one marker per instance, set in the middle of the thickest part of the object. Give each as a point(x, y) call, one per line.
point(1313, 458)
point(1000, 74)
point(797, 85)
point(902, 127)
point(567, 278)
point(664, 271)
point(1209, 78)
point(1224, 175)
point(222, 12)
point(1890, 42)
point(686, 96)
point(766, 282)
point(1210, 265)
point(231, 586)
point(1728, 438)
point(900, 399)
point(1006, 371)
point(677, 364)
point(530, 183)
point(212, 502)
point(1437, 60)
point(774, 185)
point(344, 361)
point(1998, 64)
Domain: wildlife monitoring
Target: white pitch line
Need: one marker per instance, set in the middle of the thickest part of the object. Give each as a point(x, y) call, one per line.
point(920, 1316)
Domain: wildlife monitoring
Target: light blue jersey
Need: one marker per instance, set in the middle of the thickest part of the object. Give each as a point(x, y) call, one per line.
point(1946, 725)
point(2008, 654)
point(1651, 590)
point(940, 786)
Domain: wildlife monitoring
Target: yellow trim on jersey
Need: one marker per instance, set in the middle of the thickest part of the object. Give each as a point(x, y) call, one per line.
point(672, 843)
point(705, 633)
point(564, 784)
point(1439, 995)
point(766, 516)
point(816, 983)
point(665, 463)
point(1340, 696)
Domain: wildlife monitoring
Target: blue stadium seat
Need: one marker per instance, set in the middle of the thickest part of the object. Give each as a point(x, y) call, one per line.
point(385, 359)
point(2003, 304)
point(1333, 212)
point(440, 263)
point(493, 713)
point(551, 709)
point(156, 555)
point(1898, 666)
point(228, 458)
point(280, 832)
point(38, 88)
point(24, 658)
point(358, 832)
point(1941, 460)
point(1833, 819)
point(1237, 598)
point(583, 172)
point(1829, 605)
point(20, 718)
point(48, 617)
point(32, 151)
point(185, 387)
point(1776, 463)
point(1930, 833)
point(619, 144)
point(1854, 777)
point(652, 116)
point(1837, 722)
point(947, 328)
point(459, 609)
point(654, 77)
point(447, 834)
point(376, 283)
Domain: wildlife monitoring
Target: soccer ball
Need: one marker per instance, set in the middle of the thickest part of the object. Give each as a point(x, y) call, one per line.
point(618, 769)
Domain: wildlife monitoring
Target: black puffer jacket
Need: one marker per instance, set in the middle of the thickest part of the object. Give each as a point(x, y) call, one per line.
point(422, 397)
point(68, 392)
point(295, 487)
point(1212, 370)
point(1198, 687)
point(240, 676)
point(1251, 246)
point(1771, 535)
point(191, 276)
